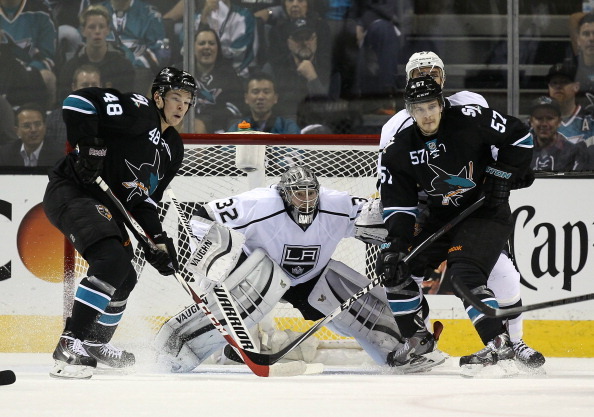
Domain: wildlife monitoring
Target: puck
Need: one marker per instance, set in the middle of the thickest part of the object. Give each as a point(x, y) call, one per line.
point(7, 377)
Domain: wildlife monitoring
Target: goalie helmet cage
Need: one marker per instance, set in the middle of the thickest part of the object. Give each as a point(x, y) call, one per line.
point(217, 166)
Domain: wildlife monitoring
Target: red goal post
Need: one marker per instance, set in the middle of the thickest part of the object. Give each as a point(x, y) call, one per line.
point(221, 165)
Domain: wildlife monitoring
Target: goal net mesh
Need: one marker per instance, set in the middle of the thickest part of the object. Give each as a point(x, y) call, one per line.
point(210, 171)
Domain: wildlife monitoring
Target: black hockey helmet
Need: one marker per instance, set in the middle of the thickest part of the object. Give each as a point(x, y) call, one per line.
point(300, 190)
point(170, 78)
point(421, 90)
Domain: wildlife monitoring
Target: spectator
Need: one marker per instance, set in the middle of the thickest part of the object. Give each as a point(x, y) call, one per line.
point(87, 75)
point(116, 71)
point(584, 58)
point(261, 97)
point(576, 125)
point(19, 84)
point(7, 133)
point(29, 150)
point(32, 35)
point(552, 150)
point(219, 88)
point(137, 28)
point(236, 28)
point(282, 26)
point(379, 40)
point(302, 73)
point(65, 14)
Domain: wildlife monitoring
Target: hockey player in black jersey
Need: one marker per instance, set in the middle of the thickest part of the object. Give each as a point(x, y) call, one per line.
point(130, 141)
point(447, 152)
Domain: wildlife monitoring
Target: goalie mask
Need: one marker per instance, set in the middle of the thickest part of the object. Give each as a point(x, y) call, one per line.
point(300, 190)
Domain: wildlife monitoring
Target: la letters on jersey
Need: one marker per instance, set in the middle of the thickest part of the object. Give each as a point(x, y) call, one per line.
point(298, 260)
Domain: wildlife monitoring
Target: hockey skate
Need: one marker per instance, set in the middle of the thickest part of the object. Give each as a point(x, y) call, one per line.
point(108, 356)
point(72, 360)
point(496, 359)
point(527, 357)
point(419, 353)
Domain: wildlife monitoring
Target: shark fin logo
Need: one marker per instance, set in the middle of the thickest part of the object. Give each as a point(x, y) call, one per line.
point(145, 171)
point(451, 186)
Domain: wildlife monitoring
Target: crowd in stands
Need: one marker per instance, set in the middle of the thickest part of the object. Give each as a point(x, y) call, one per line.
point(286, 66)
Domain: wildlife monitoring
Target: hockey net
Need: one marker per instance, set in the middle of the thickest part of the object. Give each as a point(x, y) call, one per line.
point(211, 170)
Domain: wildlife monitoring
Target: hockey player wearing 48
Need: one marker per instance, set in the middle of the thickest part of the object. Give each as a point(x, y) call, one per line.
point(289, 233)
point(130, 141)
point(447, 151)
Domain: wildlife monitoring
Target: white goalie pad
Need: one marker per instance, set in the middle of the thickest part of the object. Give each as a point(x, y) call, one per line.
point(369, 320)
point(189, 338)
point(369, 226)
point(217, 254)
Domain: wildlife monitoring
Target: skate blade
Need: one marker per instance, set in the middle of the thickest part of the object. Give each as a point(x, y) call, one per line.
point(525, 369)
point(502, 369)
point(423, 363)
point(66, 371)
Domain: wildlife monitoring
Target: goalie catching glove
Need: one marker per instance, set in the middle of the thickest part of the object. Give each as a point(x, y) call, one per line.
point(369, 226)
point(164, 257)
point(91, 153)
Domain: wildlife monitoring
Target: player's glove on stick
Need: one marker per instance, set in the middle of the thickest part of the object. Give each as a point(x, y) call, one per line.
point(164, 257)
point(499, 179)
point(91, 153)
point(523, 181)
point(390, 263)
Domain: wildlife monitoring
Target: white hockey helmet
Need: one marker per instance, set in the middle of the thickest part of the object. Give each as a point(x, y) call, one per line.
point(300, 190)
point(423, 59)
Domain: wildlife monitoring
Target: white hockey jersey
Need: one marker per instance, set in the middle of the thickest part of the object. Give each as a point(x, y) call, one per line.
point(261, 216)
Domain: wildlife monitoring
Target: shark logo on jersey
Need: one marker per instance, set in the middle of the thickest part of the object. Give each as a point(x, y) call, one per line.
point(145, 171)
point(104, 211)
point(299, 260)
point(449, 186)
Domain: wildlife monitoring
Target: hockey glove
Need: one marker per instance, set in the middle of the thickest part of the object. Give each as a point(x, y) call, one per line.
point(91, 153)
point(523, 181)
point(498, 184)
point(390, 263)
point(164, 257)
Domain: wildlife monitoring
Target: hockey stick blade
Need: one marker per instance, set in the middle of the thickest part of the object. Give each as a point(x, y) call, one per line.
point(489, 311)
point(7, 377)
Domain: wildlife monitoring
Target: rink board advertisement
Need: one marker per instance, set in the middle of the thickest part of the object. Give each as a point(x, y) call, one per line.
point(553, 245)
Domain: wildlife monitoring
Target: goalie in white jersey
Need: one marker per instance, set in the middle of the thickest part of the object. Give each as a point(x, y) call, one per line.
point(290, 232)
point(504, 279)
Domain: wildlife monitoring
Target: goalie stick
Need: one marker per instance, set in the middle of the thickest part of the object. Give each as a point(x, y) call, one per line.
point(489, 311)
point(236, 324)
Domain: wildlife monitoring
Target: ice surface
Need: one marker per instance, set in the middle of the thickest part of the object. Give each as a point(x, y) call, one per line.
point(567, 389)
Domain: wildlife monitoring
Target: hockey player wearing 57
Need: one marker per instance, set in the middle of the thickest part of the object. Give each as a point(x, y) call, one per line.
point(130, 141)
point(504, 278)
point(290, 232)
point(447, 151)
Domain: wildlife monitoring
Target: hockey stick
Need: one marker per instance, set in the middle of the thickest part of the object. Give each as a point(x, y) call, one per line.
point(221, 294)
point(489, 311)
point(263, 368)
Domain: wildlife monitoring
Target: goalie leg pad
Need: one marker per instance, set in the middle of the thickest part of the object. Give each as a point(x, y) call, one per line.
point(369, 320)
point(188, 338)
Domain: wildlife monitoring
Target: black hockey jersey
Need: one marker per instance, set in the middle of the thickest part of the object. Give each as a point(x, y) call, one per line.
point(448, 165)
point(141, 160)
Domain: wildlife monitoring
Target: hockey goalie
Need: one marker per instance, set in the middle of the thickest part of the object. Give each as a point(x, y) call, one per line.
point(273, 244)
